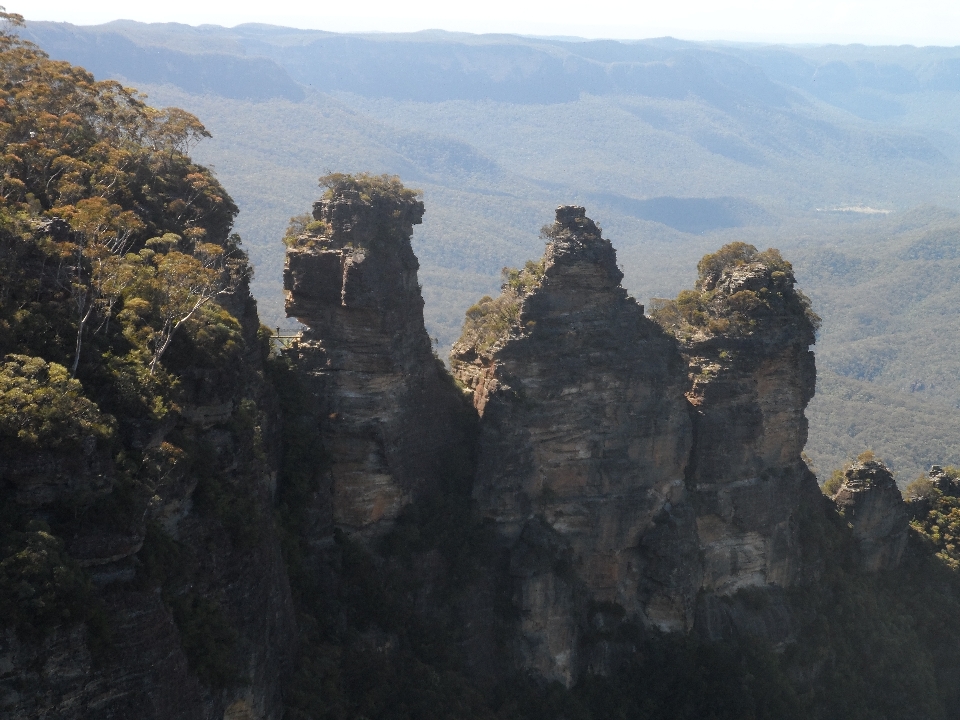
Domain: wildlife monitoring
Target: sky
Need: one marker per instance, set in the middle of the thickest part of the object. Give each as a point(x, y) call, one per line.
point(872, 22)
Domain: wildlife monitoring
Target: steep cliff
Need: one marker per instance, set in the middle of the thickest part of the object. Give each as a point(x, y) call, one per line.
point(178, 604)
point(140, 572)
point(745, 332)
point(193, 526)
point(392, 422)
point(584, 444)
point(648, 464)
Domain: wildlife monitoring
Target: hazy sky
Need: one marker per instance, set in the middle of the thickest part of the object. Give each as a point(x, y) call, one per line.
point(916, 22)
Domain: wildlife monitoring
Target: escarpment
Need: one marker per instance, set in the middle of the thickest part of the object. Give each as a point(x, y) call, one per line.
point(197, 523)
point(393, 423)
point(141, 574)
point(585, 437)
point(147, 574)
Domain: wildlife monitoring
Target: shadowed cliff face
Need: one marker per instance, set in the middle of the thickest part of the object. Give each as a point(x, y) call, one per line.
point(387, 409)
point(870, 502)
point(584, 442)
point(162, 574)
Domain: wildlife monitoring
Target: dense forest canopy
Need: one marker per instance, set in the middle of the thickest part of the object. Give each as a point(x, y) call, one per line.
point(103, 184)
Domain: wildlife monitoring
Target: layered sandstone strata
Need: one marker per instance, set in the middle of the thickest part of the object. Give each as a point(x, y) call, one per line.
point(745, 332)
point(871, 503)
point(585, 437)
point(390, 416)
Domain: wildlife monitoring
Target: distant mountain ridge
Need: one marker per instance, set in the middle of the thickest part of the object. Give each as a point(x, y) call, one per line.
point(676, 147)
point(434, 65)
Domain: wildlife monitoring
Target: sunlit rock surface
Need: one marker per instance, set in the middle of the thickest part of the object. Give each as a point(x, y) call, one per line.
point(388, 411)
point(585, 437)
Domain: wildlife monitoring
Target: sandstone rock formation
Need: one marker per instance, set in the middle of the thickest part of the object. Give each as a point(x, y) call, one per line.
point(584, 442)
point(391, 419)
point(633, 466)
point(745, 333)
point(874, 508)
point(947, 483)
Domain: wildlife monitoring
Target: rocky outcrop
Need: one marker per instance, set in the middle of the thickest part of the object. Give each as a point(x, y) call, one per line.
point(391, 420)
point(585, 438)
point(745, 332)
point(649, 468)
point(872, 505)
point(946, 482)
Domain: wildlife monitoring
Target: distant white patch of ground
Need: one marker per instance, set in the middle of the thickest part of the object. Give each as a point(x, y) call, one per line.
point(861, 209)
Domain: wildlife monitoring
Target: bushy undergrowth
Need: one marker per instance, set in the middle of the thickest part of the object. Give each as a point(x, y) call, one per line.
point(41, 586)
point(375, 189)
point(43, 408)
point(711, 309)
point(938, 523)
point(491, 320)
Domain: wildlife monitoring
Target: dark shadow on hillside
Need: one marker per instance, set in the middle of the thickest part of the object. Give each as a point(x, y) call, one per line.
point(690, 215)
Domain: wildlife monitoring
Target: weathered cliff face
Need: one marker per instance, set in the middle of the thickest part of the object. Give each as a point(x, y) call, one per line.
point(871, 503)
point(584, 442)
point(391, 419)
point(194, 617)
point(745, 334)
point(634, 464)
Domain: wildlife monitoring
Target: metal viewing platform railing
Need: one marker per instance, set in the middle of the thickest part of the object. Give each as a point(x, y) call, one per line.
point(285, 337)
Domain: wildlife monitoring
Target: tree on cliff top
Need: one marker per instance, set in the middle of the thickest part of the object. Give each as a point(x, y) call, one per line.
point(113, 242)
point(722, 304)
point(370, 187)
point(88, 173)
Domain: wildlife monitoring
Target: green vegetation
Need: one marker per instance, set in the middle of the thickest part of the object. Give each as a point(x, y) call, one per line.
point(922, 488)
point(832, 484)
point(939, 521)
point(912, 432)
point(42, 408)
point(763, 172)
point(712, 309)
point(491, 320)
point(101, 209)
point(525, 280)
point(120, 291)
point(374, 189)
point(304, 231)
point(41, 586)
